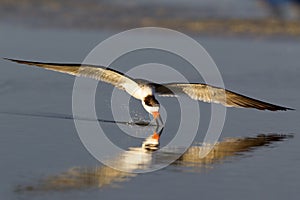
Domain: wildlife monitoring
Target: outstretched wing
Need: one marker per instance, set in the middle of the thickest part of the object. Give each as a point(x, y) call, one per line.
point(106, 75)
point(211, 94)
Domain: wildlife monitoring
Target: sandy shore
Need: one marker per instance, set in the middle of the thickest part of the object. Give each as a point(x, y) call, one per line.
point(95, 15)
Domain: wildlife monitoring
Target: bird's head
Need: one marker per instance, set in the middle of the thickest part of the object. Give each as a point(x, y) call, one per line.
point(151, 105)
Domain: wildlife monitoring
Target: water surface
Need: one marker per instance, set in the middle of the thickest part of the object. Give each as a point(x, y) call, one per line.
point(43, 158)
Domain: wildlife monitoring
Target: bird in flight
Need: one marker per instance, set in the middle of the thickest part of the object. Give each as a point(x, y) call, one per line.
point(146, 90)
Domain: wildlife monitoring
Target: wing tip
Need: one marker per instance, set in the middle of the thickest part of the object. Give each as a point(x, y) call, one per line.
point(279, 108)
point(9, 59)
point(16, 60)
point(286, 109)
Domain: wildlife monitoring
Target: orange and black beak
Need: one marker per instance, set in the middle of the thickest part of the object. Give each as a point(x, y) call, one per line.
point(155, 136)
point(155, 115)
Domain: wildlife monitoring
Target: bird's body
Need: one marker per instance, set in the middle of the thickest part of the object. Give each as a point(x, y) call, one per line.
point(145, 90)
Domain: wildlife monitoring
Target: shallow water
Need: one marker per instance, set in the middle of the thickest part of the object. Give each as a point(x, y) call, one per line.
point(41, 151)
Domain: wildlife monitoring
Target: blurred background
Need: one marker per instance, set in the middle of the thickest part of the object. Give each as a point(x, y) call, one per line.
point(264, 17)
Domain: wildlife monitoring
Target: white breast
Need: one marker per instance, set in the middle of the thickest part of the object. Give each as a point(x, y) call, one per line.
point(142, 92)
point(150, 109)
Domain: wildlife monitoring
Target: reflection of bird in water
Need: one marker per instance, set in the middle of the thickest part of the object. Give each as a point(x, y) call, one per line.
point(139, 158)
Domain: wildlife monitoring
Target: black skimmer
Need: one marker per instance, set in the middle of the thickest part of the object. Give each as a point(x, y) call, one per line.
point(146, 90)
